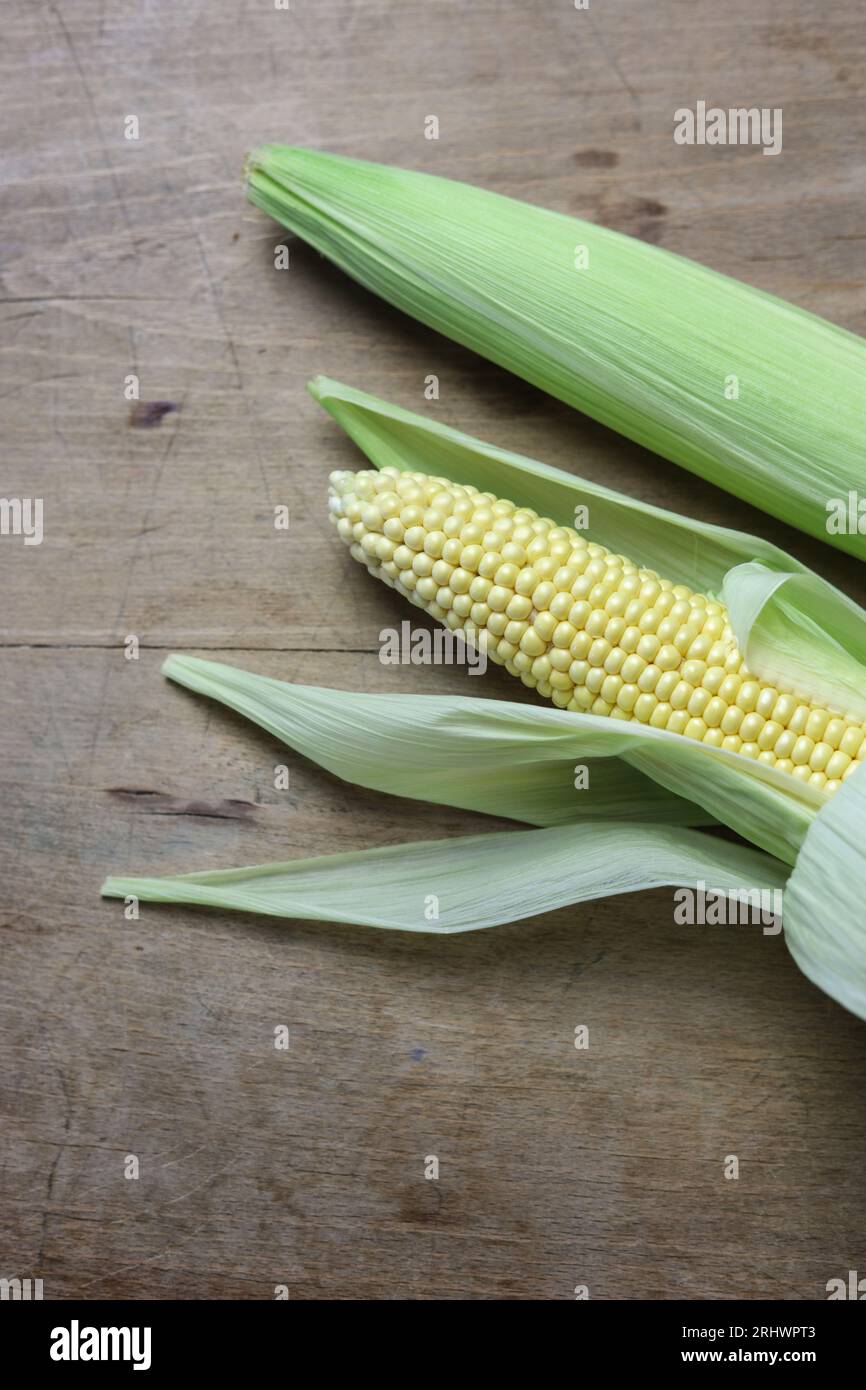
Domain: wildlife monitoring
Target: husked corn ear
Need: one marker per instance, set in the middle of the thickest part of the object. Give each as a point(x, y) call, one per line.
point(588, 629)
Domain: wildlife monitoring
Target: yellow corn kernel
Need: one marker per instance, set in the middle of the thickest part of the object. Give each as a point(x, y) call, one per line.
point(632, 667)
point(769, 734)
point(750, 728)
point(545, 625)
point(649, 678)
point(680, 695)
point(698, 702)
point(851, 742)
point(563, 635)
point(816, 724)
point(727, 689)
point(766, 701)
point(532, 643)
point(648, 647)
point(610, 689)
point(837, 765)
point(731, 719)
point(666, 684)
point(714, 711)
point(627, 697)
point(668, 658)
point(693, 672)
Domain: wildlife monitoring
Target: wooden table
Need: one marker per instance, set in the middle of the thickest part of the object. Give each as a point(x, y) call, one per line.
point(155, 1038)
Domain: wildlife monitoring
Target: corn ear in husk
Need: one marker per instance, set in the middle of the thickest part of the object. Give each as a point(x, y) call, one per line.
point(630, 828)
point(752, 393)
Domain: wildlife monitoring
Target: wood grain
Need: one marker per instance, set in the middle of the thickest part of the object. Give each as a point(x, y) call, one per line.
point(155, 1038)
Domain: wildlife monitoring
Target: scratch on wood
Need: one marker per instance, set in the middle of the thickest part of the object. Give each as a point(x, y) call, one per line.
point(161, 804)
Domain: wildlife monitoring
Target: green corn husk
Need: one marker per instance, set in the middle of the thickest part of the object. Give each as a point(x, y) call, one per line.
point(632, 827)
point(640, 339)
point(476, 880)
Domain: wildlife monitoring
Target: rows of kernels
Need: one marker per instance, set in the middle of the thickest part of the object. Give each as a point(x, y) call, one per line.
point(587, 628)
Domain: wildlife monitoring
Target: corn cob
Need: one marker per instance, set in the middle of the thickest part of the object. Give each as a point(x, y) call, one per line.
point(586, 628)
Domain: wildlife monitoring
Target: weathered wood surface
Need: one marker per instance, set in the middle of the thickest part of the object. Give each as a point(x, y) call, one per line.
point(155, 1038)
